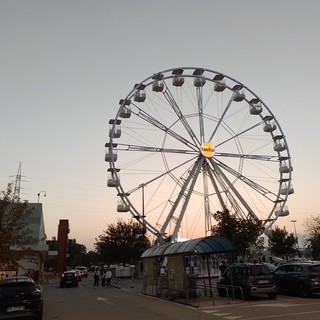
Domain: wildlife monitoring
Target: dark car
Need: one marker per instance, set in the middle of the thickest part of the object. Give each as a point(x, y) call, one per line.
point(302, 278)
point(246, 280)
point(20, 298)
point(69, 279)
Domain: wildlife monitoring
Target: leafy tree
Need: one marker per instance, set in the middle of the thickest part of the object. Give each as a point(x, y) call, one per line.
point(244, 233)
point(120, 243)
point(312, 226)
point(15, 238)
point(91, 259)
point(76, 253)
point(281, 243)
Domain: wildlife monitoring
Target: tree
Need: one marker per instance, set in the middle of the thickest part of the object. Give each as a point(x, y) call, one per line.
point(76, 253)
point(91, 259)
point(281, 243)
point(15, 238)
point(120, 243)
point(312, 226)
point(244, 233)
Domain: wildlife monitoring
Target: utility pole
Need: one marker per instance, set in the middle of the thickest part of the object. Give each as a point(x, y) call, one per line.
point(295, 233)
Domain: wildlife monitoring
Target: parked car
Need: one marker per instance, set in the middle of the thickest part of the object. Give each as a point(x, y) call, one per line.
point(78, 273)
point(246, 280)
point(69, 279)
point(83, 271)
point(302, 278)
point(271, 266)
point(20, 298)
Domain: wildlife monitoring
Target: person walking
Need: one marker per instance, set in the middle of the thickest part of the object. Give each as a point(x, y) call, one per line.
point(96, 278)
point(103, 278)
point(108, 276)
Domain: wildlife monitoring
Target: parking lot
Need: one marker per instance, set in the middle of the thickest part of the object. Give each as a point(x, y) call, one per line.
point(284, 307)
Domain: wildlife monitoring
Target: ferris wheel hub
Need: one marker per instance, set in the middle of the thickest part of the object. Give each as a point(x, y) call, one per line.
point(207, 149)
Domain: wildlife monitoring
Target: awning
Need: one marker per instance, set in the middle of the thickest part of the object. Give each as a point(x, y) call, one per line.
point(206, 245)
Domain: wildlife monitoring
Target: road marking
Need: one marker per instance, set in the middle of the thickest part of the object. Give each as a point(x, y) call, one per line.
point(106, 300)
point(224, 315)
point(273, 305)
point(211, 311)
point(285, 315)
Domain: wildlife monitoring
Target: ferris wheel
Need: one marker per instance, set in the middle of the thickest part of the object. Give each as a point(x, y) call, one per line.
point(188, 142)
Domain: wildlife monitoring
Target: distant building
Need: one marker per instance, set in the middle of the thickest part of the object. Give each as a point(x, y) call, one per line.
point(35, 223)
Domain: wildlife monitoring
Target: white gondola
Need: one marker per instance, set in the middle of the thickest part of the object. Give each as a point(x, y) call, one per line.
point(140, 96)
point(117, 128)
point(199, 82)
point(111, 157)
point(177, 81)
point(269, 127)
point(239, 96)
point(286, 190)
point(122, 206)
point(284, 168)
point(117, 132)
point(282, 212)
point(279, 146)
point(112, 182)
point(125, 112)
point(255, 108)
point(219, 86)
point(157, 85)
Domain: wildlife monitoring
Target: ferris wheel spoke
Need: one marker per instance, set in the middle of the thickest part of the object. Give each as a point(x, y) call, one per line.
point(154, 122)
point(233, 137)
point(173, 103)
point(182, 198)
point(259, 157)
point(267, 193)
point(221, 118)
point(129, 147)
point(214, 180)
point(168, 172)
point(200, 111)
point(228, 185)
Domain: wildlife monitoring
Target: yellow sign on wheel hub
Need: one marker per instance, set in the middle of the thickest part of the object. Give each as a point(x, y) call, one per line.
point(207, 149)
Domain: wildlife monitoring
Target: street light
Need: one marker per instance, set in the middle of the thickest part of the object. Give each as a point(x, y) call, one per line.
point(45, 194)
point(295, 232)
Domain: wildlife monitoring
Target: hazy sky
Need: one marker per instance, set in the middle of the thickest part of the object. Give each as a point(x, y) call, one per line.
point(64, 66)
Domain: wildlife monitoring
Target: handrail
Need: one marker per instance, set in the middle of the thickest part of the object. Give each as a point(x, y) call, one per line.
point(226, 286)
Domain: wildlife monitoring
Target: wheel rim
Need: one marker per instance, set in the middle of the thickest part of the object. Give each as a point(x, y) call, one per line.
point(188, 142)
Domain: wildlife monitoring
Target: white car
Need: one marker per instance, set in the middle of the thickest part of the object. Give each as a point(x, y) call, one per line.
point(83, 271)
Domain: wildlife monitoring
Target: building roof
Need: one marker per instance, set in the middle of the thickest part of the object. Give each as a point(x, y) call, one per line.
point(206, 245)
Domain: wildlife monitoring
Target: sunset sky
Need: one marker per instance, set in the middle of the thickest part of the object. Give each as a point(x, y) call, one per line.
point(66, 64)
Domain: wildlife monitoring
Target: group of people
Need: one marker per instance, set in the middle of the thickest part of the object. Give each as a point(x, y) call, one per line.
point(104, 275)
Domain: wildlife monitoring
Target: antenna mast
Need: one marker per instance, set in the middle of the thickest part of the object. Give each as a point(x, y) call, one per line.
point(17, 184)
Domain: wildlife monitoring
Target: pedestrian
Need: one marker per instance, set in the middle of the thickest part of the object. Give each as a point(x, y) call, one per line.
point(96, 278)
point(223, 267)
point(103, 278)
point(108, 276)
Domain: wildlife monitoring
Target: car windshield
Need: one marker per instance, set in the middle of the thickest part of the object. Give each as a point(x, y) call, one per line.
point(17, 287)
point(260, 271)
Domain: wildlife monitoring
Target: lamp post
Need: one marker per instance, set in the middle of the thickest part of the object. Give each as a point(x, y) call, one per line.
point(295, 233)
point(45, 194)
